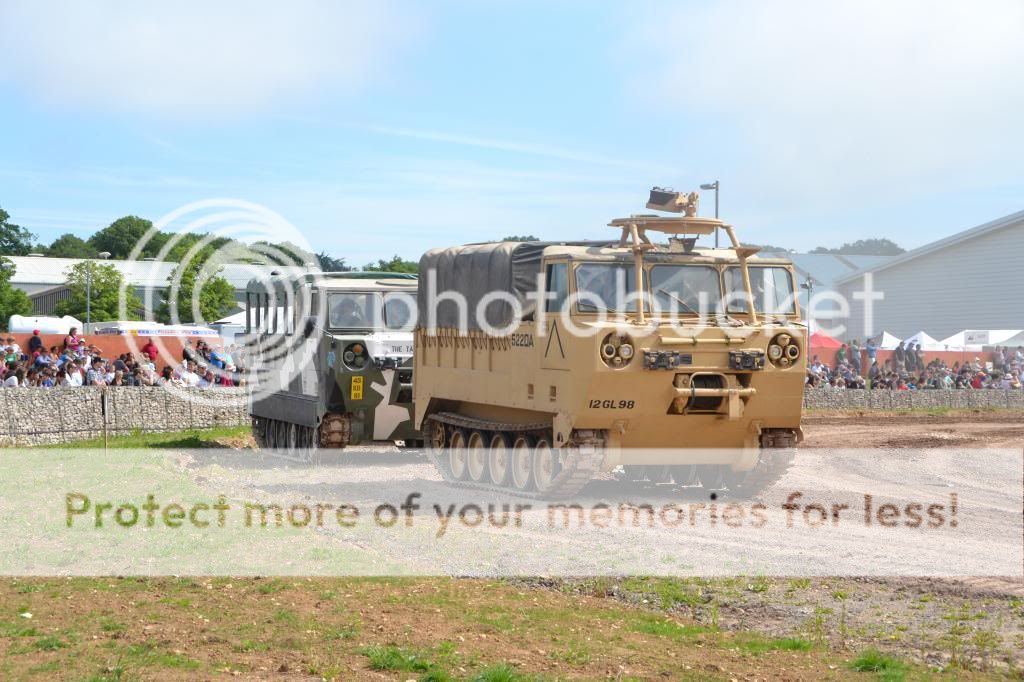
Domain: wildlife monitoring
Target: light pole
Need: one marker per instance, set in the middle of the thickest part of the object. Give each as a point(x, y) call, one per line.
point(809, 285)
point(714, 186)
point(88, 287)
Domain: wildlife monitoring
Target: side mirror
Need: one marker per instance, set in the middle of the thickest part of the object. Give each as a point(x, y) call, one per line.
point(309, 328)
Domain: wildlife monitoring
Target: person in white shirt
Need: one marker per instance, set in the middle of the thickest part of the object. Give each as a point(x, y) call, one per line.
point(74, 371)
point(188, 377)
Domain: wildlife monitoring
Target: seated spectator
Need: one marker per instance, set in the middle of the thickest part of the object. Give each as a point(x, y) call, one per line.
point(15, 379)
point(72, 341)
point(187, 376)
point(96, 376)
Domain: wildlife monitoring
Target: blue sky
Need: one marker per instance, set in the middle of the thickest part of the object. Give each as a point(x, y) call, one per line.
point(394, 127)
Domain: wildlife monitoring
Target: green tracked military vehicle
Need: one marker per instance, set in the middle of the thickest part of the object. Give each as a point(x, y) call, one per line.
point(331, 360)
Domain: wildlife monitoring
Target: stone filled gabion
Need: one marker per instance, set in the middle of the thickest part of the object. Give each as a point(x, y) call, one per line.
point(40, 416)
point(860, 399)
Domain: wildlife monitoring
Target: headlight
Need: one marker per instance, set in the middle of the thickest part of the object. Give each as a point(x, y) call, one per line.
point(616, 350)
point(355, 356)
point(783, 351)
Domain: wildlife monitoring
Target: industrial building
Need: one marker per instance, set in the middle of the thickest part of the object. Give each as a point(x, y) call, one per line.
point(971, 280)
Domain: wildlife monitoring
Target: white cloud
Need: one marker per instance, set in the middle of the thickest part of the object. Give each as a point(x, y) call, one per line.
point(513, 146)
point(193, 58)
point(846, 96)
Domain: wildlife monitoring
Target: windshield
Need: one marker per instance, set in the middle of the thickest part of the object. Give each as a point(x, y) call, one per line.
point(772, 288)
point(354, 311)
point(400, 312)
point(686, 289)
point(605, 287)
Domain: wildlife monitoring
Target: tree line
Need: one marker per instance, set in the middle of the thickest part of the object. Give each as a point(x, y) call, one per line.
point(198, 279)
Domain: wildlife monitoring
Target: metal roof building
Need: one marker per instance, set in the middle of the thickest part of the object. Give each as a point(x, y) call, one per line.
point(824, 269)
point(43, 278)
point(971, 280)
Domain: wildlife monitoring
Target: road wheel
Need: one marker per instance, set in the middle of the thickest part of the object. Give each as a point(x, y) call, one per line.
point(633, 472)
point(310, 445)
point(719, 476)
point(292, 440)
point(522, 463)
point(545, 465)
point(476, 457)
point(457, 454)
point(685, 474)
point(659, 473)
point(435, 437)
point(273, 440)
point(498, 459)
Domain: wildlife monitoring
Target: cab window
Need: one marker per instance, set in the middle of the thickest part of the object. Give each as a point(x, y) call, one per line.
point(400, 312)
point(557, 287)
point(354, 311)
point(686, 289)
point(772, 288)
point(605, 287)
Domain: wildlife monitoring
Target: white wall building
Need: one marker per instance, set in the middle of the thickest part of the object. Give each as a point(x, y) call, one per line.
point(42, 278)
point(972, 280)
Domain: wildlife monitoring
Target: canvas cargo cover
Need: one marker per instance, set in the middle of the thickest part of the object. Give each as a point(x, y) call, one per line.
point(473, 271)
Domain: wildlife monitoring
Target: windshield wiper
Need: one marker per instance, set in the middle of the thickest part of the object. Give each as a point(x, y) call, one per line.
point(686, 305)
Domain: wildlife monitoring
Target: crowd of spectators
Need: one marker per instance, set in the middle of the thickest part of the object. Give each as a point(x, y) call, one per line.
point(909, 369)
point(78, 363)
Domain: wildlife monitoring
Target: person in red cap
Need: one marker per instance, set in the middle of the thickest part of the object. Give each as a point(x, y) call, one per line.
point(151, 350)
point(35, 344)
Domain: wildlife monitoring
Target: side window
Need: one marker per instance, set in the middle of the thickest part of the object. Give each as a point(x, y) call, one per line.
point(557, 286)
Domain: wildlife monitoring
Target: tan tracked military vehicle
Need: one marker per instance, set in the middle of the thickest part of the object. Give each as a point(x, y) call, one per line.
point(541, 364)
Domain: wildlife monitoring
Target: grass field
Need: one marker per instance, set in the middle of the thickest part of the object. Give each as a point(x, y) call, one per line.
point(423, 629)
point(199, 438)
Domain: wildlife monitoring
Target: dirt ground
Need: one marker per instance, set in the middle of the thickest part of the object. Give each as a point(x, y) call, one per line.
point(621, 628)
point(895, 430)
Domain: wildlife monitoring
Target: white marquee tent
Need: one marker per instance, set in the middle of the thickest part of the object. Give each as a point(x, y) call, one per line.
point(974, 340)
point(926, 341)
point(1015, 341)
point(886, 341)
point(19, 324)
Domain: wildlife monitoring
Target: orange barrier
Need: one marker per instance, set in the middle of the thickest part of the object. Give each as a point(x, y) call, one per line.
point(111, 346)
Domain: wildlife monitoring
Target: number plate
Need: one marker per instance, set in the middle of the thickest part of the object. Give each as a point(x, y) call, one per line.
point(357, 388)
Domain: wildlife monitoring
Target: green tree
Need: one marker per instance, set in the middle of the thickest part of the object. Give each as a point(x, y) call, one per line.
point(329, 264)
point(214, 294)
point(104, 284)
point(520, 238)
point(771, 248)
point(12, 301)
point(865, 247)
point(69, 246)
point(396, 264)
point(121, 236)
point(15, 240)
